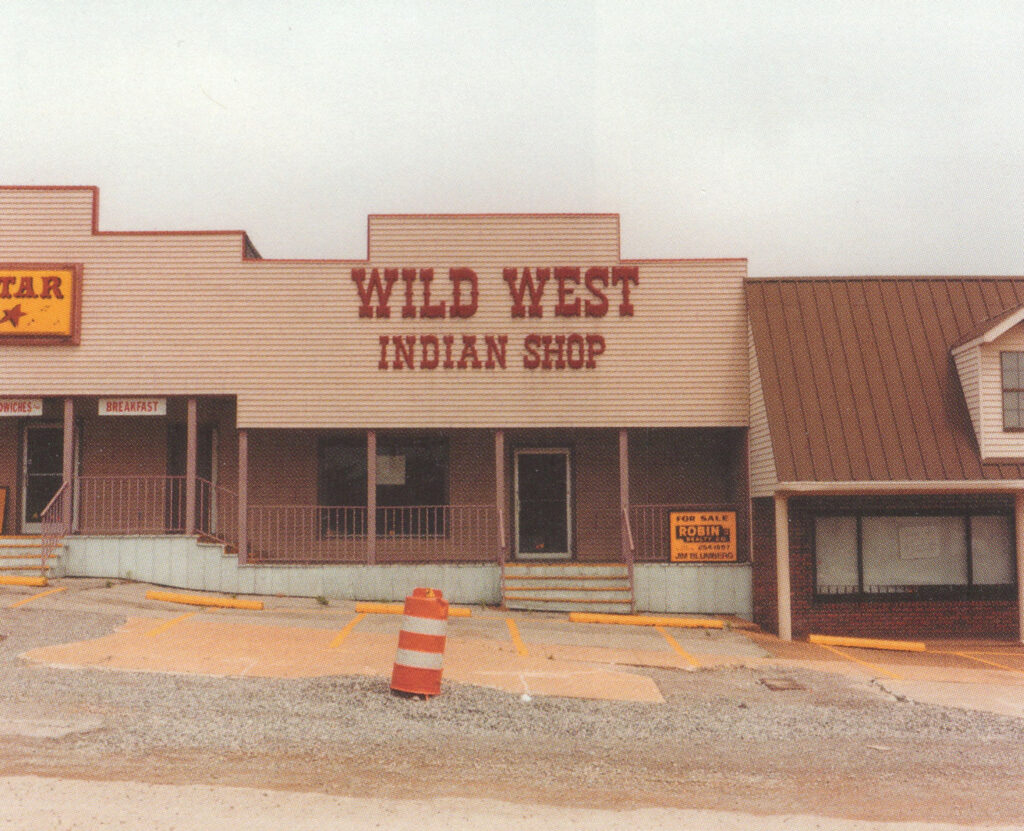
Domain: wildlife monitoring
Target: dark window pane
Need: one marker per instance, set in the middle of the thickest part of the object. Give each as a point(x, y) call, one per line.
point(1009, 366)
point(411, 473)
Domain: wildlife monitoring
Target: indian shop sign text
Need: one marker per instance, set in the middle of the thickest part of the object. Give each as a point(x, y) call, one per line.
point(566, 292)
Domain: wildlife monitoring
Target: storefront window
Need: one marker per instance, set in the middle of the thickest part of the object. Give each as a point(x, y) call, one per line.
point(916, 555)
point(1012, 364)
point(412, 484)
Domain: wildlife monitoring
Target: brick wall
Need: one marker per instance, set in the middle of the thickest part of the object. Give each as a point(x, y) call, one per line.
point(880, 617)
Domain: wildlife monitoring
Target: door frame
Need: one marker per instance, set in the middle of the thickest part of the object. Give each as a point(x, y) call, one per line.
point(35, 528)
point(566, 453)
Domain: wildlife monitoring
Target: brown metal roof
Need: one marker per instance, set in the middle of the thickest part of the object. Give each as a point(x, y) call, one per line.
point(858, 380)
point(987, 325)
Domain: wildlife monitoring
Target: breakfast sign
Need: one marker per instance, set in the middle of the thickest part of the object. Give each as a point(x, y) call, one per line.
point(565, 292)
point(39, 303)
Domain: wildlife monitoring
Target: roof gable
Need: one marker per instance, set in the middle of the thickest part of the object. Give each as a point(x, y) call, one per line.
point(858, 380)
point(991, 329)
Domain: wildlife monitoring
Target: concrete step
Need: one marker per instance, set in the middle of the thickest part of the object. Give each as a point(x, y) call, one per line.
point(621, 595)
point(579, 570)
point(617, 607)
point(563, 587)
point(22, 556)
point(590, 584)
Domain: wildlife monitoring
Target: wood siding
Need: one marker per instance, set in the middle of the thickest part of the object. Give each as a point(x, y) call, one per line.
point(968, 365)
point(996, 442)
point(185, 314)
point(763, 477)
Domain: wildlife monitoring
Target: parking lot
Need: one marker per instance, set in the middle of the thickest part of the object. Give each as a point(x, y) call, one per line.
point(525, 653)
point(97, 682)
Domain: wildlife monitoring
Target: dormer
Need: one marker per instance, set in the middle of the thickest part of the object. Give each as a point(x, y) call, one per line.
point(990, 363)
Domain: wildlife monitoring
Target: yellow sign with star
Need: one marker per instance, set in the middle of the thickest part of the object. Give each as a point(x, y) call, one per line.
point(39, 303)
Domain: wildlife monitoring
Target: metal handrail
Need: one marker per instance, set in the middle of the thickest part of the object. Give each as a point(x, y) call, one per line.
point(629, 556)
point(49, 537)
point(49, 504)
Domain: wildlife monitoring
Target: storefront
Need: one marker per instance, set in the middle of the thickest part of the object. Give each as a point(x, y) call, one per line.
point(482, 393)
point(504, 407)
point(886, 456)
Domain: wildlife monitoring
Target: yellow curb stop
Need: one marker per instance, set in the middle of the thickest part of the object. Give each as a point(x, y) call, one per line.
point(647, 620)
point(203, 600)
point(868, 643)
point(15, 580)
point(399, 609)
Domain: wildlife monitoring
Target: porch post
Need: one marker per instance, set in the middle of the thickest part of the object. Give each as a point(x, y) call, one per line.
point(371, 496)
point(627, 547)
point(499, 490)
point(68, 473)
point(190, 468)
point(782, 567)
point(1019, 517)
point(243, 496)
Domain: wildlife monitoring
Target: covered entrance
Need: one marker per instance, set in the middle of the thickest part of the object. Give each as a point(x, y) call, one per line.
point(543, 504)
point(42, 472)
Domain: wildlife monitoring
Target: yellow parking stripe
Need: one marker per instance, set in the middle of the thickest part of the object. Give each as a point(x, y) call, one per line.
point(340, 637)
point(25, 600)
point(513, 631)
point(163, 627)
point(872, 667)
point(990, 663)
point(679, 650)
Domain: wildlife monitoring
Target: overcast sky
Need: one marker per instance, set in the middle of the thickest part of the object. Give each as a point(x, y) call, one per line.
point(812, 138)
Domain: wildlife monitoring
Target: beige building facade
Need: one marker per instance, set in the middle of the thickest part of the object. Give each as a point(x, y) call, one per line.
point(482, 391)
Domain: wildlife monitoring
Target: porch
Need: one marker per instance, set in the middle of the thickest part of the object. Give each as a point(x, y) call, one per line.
point(311, 498)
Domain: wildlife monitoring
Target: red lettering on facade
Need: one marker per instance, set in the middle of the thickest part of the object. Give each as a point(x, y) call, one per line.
point(430, 352)
point(575, 360)
point(598, 307)
point(5, 286)
point(366, 292)
point(531, 355)
point(429, 309)
point(405, 349)
point(519, 287)
point(469, 358)
point(409, 278)
point(497, 348)
point(595, 347)
point(566, 277)
point(458, 276)
point(626, 275)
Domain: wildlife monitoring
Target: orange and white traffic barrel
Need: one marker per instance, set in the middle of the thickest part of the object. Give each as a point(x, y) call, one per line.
point(420, 653)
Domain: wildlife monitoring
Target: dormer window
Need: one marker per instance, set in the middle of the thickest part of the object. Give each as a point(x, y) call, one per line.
point(1013, 390)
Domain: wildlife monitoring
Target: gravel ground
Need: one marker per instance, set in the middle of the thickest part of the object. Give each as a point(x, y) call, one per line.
point(723, 741)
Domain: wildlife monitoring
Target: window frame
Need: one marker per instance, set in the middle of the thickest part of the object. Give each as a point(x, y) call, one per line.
point(432, 525)
point(968, 591)
point(1017, 390)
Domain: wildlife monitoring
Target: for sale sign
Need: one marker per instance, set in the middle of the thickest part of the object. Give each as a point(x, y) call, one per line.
point(702, 536)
